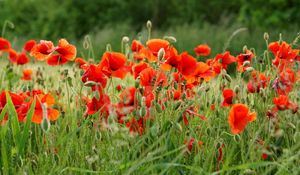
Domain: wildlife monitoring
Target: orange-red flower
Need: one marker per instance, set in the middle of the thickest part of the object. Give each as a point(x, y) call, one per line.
point(187, 65)
point(4, 45)
point(228, 95)
point(242, 58)
point(19, 59)
point(258, 80)
point(81, 62)
point(138, 68)
point(225, 59)
point(42, 50)
point(29, 45)
point(202, 50)
point(113, 64)
point(65, 52)
point(95, 74)
point(282, 103)
point(155, 45)
point(136, 46)
point(102, 104)
point(26, 74)
point(239, 117)
point(151, 77)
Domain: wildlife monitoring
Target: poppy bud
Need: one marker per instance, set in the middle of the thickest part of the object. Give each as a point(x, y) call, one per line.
point(172, 39)
point(143, 101)
point(157, 107)
point(108, 48)
point(178, 127)
point(137, 82)
point(125, 39)
point(142, 111)
point(249, 69)
point(246, 63)
point(245, 48)
point(90, 83)
point(266, 36)
point(161, 54)
point(45, 125)
point(236, 89)
point(149, 24)
point(228, 78)
point(177, 104)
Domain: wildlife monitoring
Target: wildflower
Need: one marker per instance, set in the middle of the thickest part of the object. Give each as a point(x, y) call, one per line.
point(4, 45)
point(155, 45)
point(238, 118)
point(27, 74)
point(42, 50)
point(64, 52)
point(113, 64)
point(202, 50)
point(228, 95)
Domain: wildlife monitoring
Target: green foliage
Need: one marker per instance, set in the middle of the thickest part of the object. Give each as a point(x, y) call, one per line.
point(75, 18)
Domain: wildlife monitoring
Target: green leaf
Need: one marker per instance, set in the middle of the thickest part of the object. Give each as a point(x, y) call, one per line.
point(27, 127)
point(13, 120)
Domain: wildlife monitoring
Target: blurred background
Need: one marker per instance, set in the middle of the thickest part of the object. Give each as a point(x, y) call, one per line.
point(191, 21)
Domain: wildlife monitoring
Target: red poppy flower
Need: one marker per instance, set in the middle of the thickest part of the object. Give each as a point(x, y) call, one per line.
point(225, 59)
point(136, 126)
point(188, 64)
point(19, 59)
point(4, 45)
point(202, 50)
point(27, 74)
point(102, 104)
point(155, 45)
point(282, 103)
point(241, 58)
point(138, 68)
point(258, 80)
point(113, 64)
point(65, 52)
point(228, 95)
point(151, 77)
point(136, 46)
point(83, 64)
point(238, 118)
point(95, 74)
point(29, 45)
point(127, 96)
point(43, 108)
point(43, 50)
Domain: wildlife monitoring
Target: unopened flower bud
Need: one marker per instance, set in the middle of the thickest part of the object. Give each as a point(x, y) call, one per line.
point(125, 39)
point(172, 39)
point(228, 78)
point(237, 89)
point(249, 69)
point(161, 54)
point(90, 83)
point(143, 111)
point(149, 24)
point(158, 108)
point(266, 36)
point(245, 48)
point(246, 63)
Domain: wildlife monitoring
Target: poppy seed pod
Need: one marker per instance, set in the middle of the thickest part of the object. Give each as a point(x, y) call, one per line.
point(149, 24)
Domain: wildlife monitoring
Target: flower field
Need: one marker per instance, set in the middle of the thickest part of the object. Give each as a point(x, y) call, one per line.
point(149, 108)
